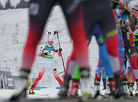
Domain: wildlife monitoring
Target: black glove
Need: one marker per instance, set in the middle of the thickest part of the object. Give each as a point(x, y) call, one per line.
point(115, 5)
point(60, 49)
point(136, 36)
point(126, 12)
point(46, 53)
point(49, 32)
point(55, 32)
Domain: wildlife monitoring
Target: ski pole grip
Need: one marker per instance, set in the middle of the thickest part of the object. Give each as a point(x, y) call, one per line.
point(49, 32)
point(55, 32)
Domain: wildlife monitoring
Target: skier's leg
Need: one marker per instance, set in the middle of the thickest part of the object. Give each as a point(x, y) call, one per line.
point(103, 60)
point(103, 55)
point(75, 82)
point(133, 62)
point(76, 28)
point(55, 73)
point(121, 56)
point(131, 83)
point(111, 41)
point(132, 78)
point(41, 73)
point(38, 13)
point(129, 70)
point(104, 79)
point(108, 70)
point(98, 74)
point(38, 79)
point(106, 62)
point(132, 55)
point(71, 64)
point(121, 51)
point(74, 19)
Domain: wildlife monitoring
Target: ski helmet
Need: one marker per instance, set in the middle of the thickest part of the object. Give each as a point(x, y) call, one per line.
point(51, 38)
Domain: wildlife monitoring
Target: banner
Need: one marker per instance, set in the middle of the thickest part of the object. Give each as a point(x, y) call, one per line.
point(6, 80)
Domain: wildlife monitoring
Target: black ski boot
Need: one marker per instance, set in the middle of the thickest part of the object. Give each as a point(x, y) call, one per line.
point(119, 92)
point(104, 84)
point(31, 91)
point(64, 88)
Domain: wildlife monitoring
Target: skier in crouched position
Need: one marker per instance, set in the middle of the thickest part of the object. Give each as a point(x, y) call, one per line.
point(47, 52)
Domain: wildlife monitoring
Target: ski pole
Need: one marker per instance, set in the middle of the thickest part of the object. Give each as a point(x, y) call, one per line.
point(60, 72)
point(49, 33)
point(56, 32)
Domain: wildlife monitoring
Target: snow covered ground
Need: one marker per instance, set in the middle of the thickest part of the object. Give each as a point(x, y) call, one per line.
point(39, 94)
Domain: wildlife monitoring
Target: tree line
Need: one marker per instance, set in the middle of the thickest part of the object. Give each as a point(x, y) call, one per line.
point(21, 4)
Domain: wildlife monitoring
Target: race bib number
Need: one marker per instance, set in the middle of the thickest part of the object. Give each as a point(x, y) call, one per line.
point(49, 53)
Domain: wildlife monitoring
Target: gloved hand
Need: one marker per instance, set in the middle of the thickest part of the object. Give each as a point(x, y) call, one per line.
point(136, 36)
point(60, 49)
point(115, 5)
point(46, 53)
point(126, 12)
point(55, 32)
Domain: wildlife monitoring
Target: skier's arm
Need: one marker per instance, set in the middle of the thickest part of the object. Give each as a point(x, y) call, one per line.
point(58, 51)
point(41, 53)
point(59, 54)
